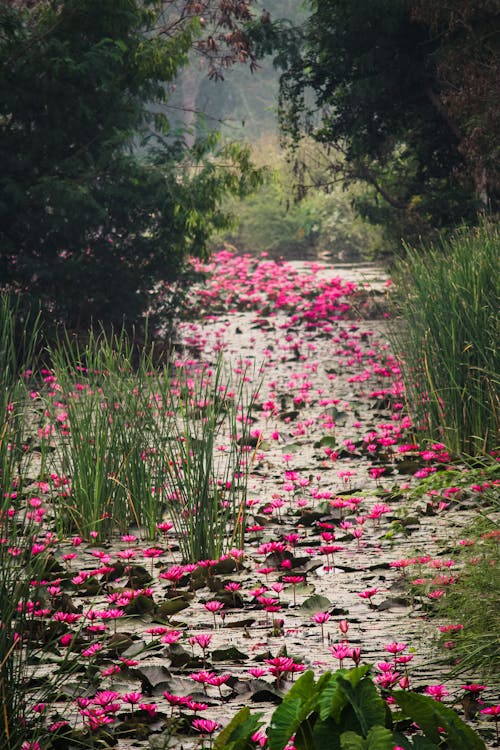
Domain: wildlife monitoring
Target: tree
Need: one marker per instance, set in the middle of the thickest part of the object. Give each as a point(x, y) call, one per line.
point(98, 200)
point(468, 73)
point(365, 78)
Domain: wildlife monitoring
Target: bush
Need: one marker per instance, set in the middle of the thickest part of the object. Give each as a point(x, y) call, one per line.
point(345, 710)
point(273, 220)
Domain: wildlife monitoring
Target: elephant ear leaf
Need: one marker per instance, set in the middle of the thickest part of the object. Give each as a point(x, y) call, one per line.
point(298, 703)
point(366, 702)
point(378, 738)
point(237, 734)
point(432, 717)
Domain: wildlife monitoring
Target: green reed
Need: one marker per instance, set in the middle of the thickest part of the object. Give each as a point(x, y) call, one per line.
point(133, 436)
point(102, 403)
point(18, 566)
point(209, 452)
point(449, 297)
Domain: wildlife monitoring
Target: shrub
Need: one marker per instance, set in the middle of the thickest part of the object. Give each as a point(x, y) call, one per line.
point(345, 710)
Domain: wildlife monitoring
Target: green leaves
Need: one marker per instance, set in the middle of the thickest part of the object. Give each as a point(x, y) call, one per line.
point(378, 738)
point(298, 703)
point(370, 66)
point(99, 202)
point(315, 603)
point(237, 734)
point(333, 698)
point(344, 711)
point(348, 697)
point(366, 702)
point(431, 716)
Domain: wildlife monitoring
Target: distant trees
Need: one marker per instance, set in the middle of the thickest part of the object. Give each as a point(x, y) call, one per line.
point(405, 95)
point(98, 200)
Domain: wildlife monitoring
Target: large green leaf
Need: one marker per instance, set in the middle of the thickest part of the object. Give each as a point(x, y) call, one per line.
point(326, 735)
point(378, 738)
point(298, 703)
point(331, 699)
point(352, 741)
point(237, 734)
point(366, 702)
point(430, 715)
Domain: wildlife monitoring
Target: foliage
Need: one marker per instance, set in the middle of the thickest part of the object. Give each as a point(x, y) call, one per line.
point(103, 449)
point(209, 451)
point(475, 603)
point(362, 77)
point(324, 220)
point(468, 71)
point(18, 566)
point(345, 710)
point(99, 201)
point(138, 441)
point(449, 299)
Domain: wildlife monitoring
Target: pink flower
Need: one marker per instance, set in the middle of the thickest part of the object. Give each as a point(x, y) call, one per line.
point(202, 640)
point(474, 688)
point(92, 650)
point(367, 594)
point(340, 651)
point(132, 698)
point(321, 617)
point(203, 676)
point(149, 708)
point(205, 726)
point(395, 647)
point(105, 697)
point(257, 672)
point(171, 636)
point(491, 710)
point(438, 692)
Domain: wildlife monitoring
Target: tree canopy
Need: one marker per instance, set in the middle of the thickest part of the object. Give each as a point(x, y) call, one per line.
point(98, 198)
point(403, 93)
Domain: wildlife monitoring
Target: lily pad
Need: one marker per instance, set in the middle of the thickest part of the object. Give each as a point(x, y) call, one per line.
point(151, 676)
point(228, 654)
point(316, 603)
point(171, 607)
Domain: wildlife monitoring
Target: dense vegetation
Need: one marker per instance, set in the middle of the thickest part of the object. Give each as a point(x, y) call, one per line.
point(99, 200)
point(405, 95)
point(449, 297)
point(104, 196)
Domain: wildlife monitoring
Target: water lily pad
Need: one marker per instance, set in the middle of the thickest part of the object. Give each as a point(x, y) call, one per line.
point(316, 603)
point(170, 607)
point(140, 605)
point(395, 602)
point(228, 654)
point(151, 676)
point(327, 441)
point(244, 624)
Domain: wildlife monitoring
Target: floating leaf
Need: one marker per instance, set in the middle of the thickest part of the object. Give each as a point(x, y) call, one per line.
point(228, 654)
point(315, 603)
point(171, 607)
point(140, 605)
point(153, 675)
point(327, 441)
